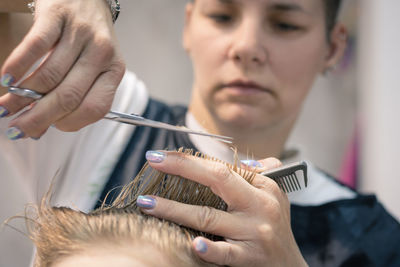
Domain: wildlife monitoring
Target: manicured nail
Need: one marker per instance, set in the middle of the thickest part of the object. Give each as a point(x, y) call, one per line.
point(201, 246)
point(3, 112)
point(14, 133)
point(155, 156)
point(252, 163)
point(7, 80)
point(146, 202)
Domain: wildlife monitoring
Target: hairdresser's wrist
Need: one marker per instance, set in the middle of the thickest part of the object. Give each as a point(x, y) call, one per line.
point(113, 5)
point(115, 8)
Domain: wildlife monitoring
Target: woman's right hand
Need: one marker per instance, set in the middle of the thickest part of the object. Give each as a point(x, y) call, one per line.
point(256, 226)
point(80, 75)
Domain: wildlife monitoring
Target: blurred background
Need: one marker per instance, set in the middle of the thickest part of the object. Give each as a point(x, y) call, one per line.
point(349, 126)
point(150, 32)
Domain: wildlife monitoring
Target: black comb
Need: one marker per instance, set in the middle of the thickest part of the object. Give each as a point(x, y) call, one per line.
point(286, 176)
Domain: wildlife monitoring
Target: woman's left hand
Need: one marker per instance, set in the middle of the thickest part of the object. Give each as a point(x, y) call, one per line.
point(256, 226)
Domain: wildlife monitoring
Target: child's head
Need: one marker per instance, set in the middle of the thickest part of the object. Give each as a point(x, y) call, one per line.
point(64, 238)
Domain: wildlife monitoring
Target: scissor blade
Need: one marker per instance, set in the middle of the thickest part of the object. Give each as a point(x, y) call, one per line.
point(140, 121)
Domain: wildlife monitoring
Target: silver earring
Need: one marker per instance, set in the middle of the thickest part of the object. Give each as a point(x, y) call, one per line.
point(328, 70)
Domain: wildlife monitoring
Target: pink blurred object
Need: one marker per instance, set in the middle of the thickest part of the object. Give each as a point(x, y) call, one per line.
point(349, 170)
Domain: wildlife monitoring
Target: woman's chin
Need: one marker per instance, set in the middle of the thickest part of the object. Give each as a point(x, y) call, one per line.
point(238, 120)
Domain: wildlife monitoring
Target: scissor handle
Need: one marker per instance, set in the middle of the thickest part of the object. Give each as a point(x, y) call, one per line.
point(25, 92)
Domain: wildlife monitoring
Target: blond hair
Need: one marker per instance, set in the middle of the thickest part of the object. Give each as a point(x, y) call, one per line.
point(59, 232)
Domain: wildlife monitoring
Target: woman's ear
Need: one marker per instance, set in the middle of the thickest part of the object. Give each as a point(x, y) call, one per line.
point(186, 27)
point(336, 47)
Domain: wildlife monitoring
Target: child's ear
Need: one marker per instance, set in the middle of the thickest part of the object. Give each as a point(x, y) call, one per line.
point(186, 28)
point(337, 46)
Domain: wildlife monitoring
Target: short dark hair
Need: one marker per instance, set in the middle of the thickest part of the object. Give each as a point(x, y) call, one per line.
point(331, 13)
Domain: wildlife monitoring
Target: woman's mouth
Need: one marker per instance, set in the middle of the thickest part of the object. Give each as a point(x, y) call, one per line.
point(240, 87)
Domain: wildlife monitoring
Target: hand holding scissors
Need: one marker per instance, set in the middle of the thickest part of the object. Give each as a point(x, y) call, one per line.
point(124, 118)
point(80, 72)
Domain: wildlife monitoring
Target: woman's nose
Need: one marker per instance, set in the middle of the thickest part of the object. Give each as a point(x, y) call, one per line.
point(248, 46)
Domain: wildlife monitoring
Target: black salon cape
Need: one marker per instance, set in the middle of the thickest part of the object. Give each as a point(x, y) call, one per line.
point(348, 232)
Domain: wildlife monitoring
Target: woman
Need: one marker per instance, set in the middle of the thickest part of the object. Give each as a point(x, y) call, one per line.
point(254, 63)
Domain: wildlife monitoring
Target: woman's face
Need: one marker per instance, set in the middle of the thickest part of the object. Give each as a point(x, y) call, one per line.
point(254, 60)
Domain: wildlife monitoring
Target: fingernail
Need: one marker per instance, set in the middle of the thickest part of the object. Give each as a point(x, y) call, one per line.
point(3, 112)
point(252, 163)
point(155, 156)
point(7, 80)
point(146, 202)
point(14, 133)
point(201, 246)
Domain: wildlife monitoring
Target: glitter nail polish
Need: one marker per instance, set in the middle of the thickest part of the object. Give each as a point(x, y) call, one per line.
point(155, 156)
point(3, 112)
point(14, 133)
point(7, 80)
point(146, 202)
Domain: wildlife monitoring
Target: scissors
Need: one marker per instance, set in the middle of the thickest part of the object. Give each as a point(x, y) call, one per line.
point(127, 118)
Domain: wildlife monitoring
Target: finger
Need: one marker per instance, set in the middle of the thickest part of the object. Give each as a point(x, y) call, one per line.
point(47, 76)
point(201, 218)
point(40, 39)
point(14, 133)
point(62, 100)
point(53, 70)
point(270, 163)
point(267, 184)
point(261, 165)
point(56, 66)
point(97, 102)
point(223, 181)
point(12, 103)
point(260, 181)
point(220, 253)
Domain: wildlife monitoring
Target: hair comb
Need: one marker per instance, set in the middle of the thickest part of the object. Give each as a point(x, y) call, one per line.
point(287, 176)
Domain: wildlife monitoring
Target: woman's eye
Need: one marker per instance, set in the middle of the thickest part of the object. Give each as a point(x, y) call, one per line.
point(221, 18)
point(286, 27)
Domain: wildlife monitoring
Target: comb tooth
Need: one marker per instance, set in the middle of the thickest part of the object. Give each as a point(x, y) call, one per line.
point(293, 182)
point(288, 178)
point(282, 180)
point(297, 180)
point(281, 184)
point(292, 177)
point(277, 180)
